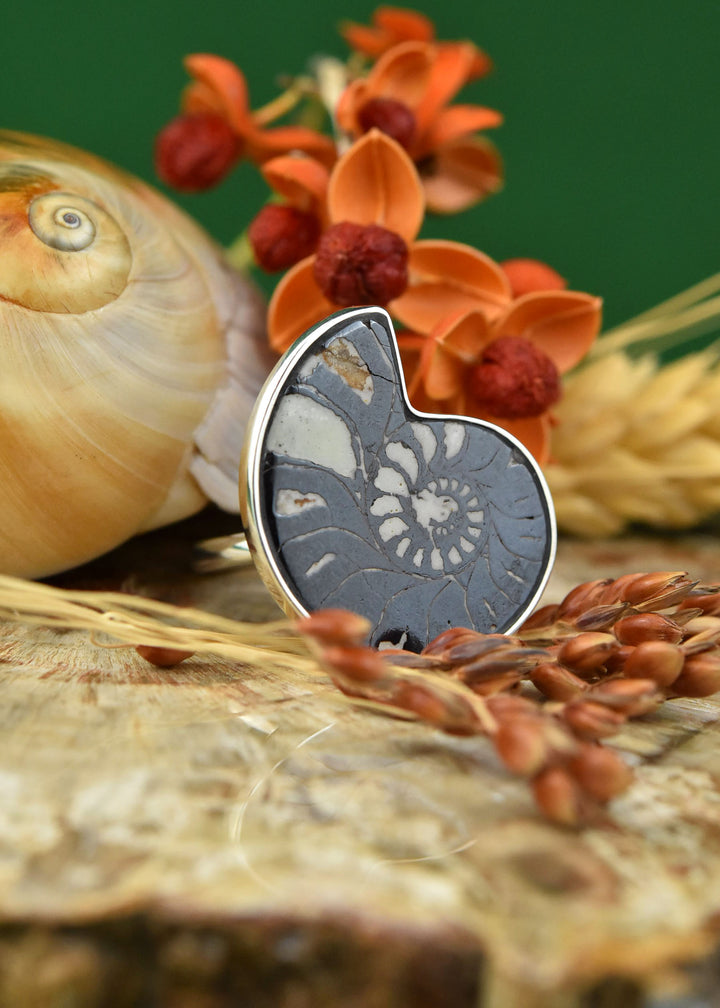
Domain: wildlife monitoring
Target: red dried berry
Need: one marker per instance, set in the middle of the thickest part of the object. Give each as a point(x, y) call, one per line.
point(391, 117)
point(195, 152)
point(515, 379)
point(360, 264)
point(282, 235)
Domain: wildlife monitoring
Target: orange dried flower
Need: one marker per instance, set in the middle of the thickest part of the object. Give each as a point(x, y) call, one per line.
point(218, 93)
point(407, 94)
point(528, 275)
point(392, 25)
point(454, 325)
point(282, 234)
point(375, 183)
point(481, 339)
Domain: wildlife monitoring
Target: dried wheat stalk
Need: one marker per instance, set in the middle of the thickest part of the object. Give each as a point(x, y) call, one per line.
point(636, 441)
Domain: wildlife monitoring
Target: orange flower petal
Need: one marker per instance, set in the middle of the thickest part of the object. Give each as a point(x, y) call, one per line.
point(462, 174)
point(465, 334)
point(410, 346)
point(369, 41)
point(403, 73)
point(458, 121)
point(448, 277)
point(451, 69)
point(533, 432)
point(302, 181)
point(420, 400)
point(375, 182)
point(263, 144)
point(454, 344)
point(404, 24)
point(481, 64)
point(527, 275)
point(227, 84)
point(350, 102)
point(297, 303)
point(197, 98)
point(441, 372)
point(390, 26)
point(563, 324)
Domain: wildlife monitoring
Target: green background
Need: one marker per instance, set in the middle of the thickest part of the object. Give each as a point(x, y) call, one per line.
point(611, 140)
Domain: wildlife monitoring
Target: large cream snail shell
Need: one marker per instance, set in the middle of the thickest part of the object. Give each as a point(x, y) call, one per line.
point(131, 357)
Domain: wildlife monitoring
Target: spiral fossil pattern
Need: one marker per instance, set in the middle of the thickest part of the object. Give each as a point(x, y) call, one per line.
point(416, 522)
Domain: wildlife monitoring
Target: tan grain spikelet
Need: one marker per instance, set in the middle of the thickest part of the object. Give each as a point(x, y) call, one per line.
point(637, 442)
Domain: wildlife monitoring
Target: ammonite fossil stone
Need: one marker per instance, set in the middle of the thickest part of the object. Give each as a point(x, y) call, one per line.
point(356, 500)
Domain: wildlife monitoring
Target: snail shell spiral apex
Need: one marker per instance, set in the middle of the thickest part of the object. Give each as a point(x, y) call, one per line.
point(62, 222)
point(58, 225)
point(132, 355)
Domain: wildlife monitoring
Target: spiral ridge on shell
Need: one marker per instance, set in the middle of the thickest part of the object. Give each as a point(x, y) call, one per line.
point(120, 328)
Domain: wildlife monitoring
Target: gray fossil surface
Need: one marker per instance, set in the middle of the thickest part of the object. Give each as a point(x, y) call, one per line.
point(417, 522)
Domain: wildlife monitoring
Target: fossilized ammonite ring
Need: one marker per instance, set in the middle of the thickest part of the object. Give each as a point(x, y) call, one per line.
point(353, 499)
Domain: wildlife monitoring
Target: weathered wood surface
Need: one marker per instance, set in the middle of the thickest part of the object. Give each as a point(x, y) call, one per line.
point(211, 835)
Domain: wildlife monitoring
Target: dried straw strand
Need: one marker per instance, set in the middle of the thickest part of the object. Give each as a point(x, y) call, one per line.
point(136, 620)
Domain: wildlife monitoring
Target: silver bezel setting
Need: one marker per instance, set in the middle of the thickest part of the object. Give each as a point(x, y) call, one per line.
point(251, 491)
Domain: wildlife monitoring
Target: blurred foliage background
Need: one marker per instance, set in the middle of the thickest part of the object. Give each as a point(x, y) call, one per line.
point(610, 140)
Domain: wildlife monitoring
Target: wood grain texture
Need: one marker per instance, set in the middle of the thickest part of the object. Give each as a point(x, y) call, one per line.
point(212, 835)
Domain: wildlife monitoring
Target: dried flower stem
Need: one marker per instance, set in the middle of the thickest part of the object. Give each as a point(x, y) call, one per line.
point(332, 76)
point(284, 103)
